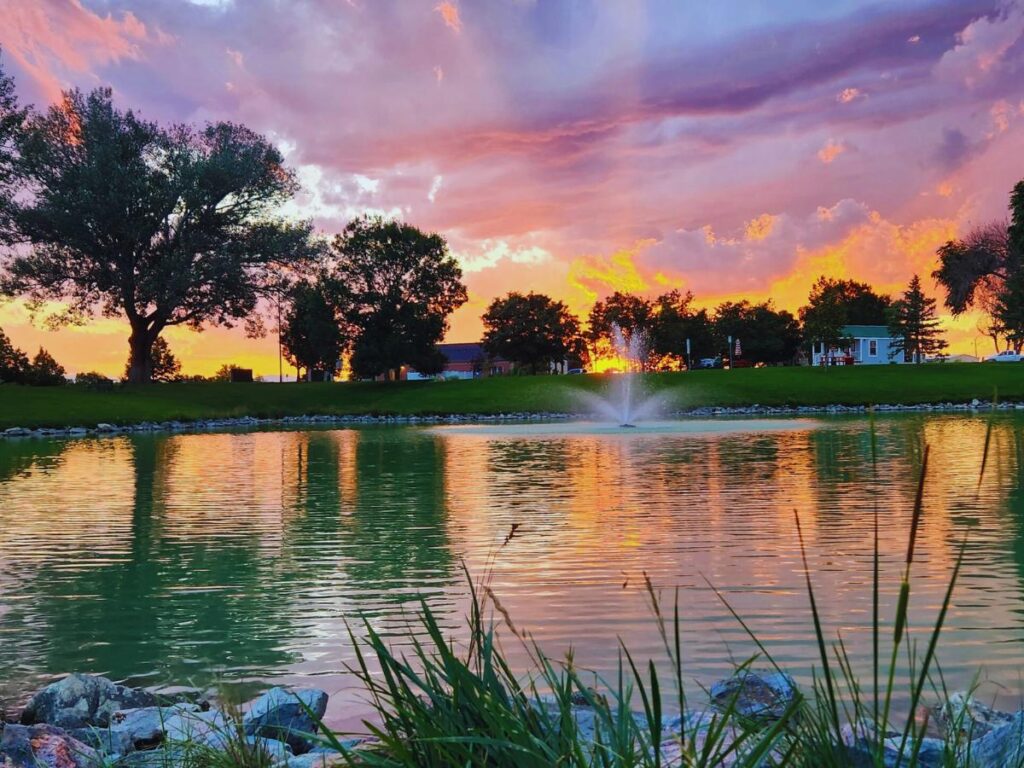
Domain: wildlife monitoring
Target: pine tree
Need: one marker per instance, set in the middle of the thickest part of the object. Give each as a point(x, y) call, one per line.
point(914, 324)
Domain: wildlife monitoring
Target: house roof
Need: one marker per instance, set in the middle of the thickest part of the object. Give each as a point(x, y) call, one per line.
point(867, 331)
point(463, 353)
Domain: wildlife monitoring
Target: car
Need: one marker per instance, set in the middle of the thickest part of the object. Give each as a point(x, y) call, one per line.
point(1006, 356)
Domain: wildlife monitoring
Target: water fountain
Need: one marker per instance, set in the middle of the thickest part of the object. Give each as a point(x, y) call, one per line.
point(625, 403)
point(624, 411)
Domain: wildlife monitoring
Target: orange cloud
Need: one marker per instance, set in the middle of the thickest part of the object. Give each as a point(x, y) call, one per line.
point(831, 151)
point(450, 13)
point(596, 276)
point(761, 227)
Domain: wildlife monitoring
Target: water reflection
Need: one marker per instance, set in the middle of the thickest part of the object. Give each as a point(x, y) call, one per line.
point(241, 557)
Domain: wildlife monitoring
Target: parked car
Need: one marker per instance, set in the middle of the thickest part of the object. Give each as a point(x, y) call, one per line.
point(1006, 356)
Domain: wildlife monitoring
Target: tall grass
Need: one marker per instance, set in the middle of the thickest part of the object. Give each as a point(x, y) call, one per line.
point(443, 703)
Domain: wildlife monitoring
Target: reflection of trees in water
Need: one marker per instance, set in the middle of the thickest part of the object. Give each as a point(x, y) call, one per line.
point(171, 609)
point(398, 522)
point(19, 457)
point(363, 528)
point(1015, 497)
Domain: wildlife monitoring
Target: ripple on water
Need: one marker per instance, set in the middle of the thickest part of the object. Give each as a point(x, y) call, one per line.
point(246, 557)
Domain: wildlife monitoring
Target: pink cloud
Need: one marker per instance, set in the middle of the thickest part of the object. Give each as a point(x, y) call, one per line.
point(53, 40)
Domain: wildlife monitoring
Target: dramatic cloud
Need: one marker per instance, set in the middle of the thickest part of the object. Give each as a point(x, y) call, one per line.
point(581, 147)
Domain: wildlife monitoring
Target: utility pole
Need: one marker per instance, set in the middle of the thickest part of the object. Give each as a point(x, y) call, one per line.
point(280, 358)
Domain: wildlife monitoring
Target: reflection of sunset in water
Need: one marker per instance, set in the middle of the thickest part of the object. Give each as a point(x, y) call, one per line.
point(241, 556)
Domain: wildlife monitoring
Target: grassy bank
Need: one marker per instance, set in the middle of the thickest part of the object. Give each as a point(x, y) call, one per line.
point(74, 406)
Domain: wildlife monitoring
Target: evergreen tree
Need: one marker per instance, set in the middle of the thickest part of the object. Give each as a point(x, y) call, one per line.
point(164, 365)
point(45, 371)
point(1008, 312)
point(914, 324)
point(13, 362)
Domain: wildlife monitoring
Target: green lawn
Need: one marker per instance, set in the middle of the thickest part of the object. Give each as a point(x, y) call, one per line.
point(74, 406)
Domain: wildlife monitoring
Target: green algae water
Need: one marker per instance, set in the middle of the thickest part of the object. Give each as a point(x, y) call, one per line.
point(240, 559)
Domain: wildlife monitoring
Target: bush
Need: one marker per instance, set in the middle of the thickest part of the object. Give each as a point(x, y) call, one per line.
point(94, 380)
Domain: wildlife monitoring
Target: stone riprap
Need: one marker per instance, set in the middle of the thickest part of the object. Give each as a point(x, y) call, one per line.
point(283, 724)
point(87, 721)
point(299, 422)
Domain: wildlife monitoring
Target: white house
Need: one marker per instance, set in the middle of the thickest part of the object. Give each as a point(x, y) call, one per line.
point(868, 345)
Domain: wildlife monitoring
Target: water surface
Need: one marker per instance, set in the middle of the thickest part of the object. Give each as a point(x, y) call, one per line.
point(238, 558)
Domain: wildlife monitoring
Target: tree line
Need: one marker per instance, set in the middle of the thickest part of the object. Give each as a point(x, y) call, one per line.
point(109, 214)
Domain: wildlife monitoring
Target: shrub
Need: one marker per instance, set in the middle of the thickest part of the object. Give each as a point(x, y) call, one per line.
point(94, 380)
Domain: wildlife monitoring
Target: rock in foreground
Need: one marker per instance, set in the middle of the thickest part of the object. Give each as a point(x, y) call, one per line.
point(82, 701)
point(43, 746)
point(289, 716)
point(756, 694)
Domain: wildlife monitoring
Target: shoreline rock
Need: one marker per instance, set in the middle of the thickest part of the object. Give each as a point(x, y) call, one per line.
point(284, 723)
point(320, 420)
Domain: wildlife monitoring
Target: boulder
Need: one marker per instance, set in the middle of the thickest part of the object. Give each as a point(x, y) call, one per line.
point(108, 741)
point(861, 746)
point(1002, 746)
point(963, 716)
point(212, 728)
point(290, 716)
point(144, 727)
point(44, 746)
point(165, 757)
point(763, 695)
point(81, 701)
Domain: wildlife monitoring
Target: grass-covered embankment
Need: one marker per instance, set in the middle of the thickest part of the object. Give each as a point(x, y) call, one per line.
point(75, 406)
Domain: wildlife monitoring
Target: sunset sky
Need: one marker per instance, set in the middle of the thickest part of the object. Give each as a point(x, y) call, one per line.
point(576, 147)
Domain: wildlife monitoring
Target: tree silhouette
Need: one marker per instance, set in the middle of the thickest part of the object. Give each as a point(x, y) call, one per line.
point(914, 324)
point(162, 226)
point(531, 330)
point(396, 286)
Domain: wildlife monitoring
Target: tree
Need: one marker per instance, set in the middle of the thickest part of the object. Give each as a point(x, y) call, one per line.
point(914, 324)
point(44, 371)
point(833, 304)
point(310, 331)
point(225, 372)
point(531, 330)
point(675, 321)
point(980, 271)
point(14, 363)
point(164, 366)
point(162, 226)
point(632, 315)
point(1008, 312)
point(395, 286)
point(768, 335)
point(11, 119)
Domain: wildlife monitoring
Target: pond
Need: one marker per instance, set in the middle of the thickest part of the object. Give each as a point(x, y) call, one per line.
point(239, 559)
